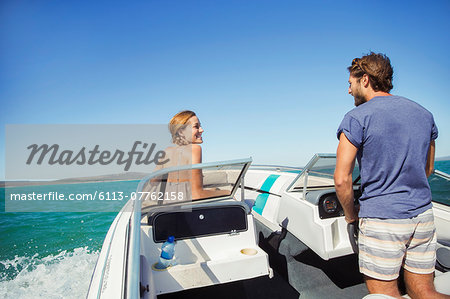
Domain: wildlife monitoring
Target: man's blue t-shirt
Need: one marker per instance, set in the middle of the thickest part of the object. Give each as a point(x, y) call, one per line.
point(393, 135)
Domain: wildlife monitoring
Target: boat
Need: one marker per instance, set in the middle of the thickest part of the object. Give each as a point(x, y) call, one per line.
point(277, 231)
point(300, 224)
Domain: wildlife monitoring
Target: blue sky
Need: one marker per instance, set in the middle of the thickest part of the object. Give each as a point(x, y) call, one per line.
point(267, 79)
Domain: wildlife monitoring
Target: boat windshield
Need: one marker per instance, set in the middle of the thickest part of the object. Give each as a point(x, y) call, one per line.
point(318, 174)
point(191, 183)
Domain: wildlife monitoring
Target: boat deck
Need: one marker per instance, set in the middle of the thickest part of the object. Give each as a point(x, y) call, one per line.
point(256, 288)
point(311, 276)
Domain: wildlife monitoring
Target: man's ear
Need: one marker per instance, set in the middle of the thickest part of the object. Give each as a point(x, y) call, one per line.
point(365, 80)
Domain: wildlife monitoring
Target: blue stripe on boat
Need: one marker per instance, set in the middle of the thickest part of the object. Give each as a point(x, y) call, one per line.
point(261, 199)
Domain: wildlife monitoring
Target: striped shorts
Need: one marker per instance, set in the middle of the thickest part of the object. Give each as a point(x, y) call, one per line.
point(385, 245)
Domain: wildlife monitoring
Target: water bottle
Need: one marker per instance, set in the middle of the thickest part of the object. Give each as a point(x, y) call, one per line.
point(167, 253)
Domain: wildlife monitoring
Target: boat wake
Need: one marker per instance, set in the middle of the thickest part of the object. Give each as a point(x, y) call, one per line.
point(63, 275)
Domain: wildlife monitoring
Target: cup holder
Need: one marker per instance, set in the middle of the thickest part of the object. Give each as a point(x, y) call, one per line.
point(249, 251)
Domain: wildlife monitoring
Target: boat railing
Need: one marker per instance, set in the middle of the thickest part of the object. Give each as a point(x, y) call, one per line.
point(277, 168)
point(442, 174)
point(132, 275)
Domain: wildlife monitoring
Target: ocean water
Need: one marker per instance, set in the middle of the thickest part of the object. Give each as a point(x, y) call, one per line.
point(53, 254)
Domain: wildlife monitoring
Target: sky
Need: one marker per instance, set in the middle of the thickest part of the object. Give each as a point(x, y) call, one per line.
point(267, 79)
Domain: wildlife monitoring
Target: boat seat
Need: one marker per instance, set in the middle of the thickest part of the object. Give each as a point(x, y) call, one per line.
point(443, 258)
point(444, 242)
point(383, 296)
point(442, 283)
point(378, 296)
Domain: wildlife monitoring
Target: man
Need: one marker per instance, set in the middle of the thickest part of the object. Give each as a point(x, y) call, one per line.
point(393, 139)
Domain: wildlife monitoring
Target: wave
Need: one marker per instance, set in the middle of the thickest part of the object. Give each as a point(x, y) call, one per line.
point(63, 275)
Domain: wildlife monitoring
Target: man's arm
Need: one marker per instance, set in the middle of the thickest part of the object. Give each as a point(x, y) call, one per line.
point(343, 181)
point(430, 159)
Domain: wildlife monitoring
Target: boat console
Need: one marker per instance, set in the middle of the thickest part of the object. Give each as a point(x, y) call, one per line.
point(215, 237)
point(303, 203)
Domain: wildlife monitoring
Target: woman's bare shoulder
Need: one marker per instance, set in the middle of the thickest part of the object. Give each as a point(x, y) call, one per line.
point(196, 154)
point(196, 148)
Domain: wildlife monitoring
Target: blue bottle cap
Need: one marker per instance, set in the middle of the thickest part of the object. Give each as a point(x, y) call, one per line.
point(170, 239)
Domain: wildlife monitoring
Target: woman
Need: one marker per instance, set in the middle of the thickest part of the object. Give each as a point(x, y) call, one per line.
point(186, 132)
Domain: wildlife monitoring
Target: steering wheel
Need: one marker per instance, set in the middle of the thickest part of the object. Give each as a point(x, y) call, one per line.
point(353, 231)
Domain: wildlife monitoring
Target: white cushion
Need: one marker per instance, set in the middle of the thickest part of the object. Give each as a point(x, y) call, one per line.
point(378, 296)
point(442, 283)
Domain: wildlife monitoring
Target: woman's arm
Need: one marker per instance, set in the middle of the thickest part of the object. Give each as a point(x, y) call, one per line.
point(196, 174)
point(197, 178)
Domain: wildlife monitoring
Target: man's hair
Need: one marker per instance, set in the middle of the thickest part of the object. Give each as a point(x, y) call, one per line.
point(377, 67)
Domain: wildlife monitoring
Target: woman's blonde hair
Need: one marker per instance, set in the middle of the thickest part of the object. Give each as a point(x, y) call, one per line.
point(178, 123)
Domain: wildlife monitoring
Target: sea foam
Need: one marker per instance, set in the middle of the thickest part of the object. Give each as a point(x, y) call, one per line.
point(64, 275)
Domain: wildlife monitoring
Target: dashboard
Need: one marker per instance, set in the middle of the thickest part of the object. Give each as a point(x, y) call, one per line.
point(329, 205)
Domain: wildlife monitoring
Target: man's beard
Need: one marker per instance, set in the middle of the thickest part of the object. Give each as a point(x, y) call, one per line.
point(359, 99)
